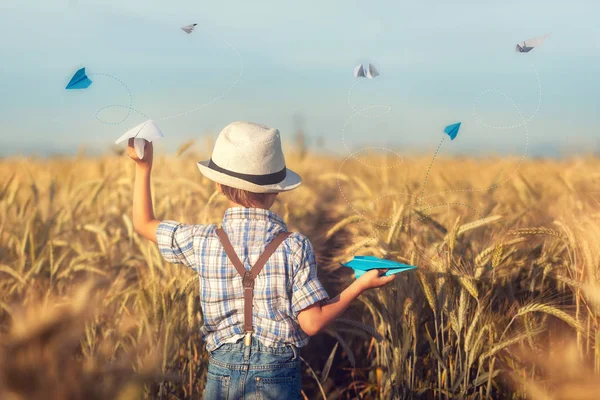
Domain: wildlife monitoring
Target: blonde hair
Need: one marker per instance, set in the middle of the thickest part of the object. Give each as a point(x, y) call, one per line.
point(244, 197)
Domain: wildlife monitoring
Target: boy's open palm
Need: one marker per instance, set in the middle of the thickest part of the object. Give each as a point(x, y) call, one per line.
point(373, 279)
point(148, 153)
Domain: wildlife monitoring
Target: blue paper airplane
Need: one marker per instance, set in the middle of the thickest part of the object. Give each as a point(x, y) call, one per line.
point(452, 130)
point(79, 81)
point(362, 264)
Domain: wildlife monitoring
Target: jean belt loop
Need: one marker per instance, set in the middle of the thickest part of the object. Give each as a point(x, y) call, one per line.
point(295, 351)
point(247, 353)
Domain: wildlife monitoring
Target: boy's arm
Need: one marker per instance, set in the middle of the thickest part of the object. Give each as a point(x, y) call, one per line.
point(309, 303)
point(144, 222)
point(317, 316)
point(175, 240)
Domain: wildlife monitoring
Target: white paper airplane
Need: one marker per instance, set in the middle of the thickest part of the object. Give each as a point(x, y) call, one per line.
point(372, 72)
point(359, 71)
point(144, 131)
point(188, 28)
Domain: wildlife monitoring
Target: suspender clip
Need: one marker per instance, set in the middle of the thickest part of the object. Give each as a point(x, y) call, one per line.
point(248, 338)
point(248, 280)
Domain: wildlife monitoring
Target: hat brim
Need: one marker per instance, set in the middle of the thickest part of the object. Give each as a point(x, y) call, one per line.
point(292, 180)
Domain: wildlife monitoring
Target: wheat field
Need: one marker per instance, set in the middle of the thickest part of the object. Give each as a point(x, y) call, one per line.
point(504, 304)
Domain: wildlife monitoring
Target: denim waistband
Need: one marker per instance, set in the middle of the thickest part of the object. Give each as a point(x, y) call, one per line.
point(257, 356)
point(256, 347)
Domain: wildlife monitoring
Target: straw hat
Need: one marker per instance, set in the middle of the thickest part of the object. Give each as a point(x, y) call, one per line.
point(248, 156)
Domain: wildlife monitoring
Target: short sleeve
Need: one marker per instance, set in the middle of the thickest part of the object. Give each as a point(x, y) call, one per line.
point(176, 242)
point(306, 288)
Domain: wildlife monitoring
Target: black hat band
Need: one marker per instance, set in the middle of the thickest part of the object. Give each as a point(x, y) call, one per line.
point(262, 180)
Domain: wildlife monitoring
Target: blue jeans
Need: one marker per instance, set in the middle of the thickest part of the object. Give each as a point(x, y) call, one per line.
point(256, 372)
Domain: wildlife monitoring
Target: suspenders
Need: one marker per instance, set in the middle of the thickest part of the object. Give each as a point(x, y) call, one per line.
point(248, 277)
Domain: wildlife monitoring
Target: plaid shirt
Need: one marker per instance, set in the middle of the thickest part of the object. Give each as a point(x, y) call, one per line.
point(287, 284)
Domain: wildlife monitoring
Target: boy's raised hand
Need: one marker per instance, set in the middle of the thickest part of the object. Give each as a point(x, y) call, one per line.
point(148, 154)
point(374, 279)
point(144, 222)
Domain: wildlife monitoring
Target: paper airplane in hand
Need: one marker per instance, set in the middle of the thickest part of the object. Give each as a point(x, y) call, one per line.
point(144, 131)
point(188, 28)
point(452, 130)
point(362, 264)
point(79, 81)
point(527, 45)
point(359, 71)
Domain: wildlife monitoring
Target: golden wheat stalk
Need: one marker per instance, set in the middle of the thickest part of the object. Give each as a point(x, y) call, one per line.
point(340, 225)
point(476, 224)
point(551, 310)
point(497, 255)
point(184, 147)
point(394, 226)
point(481, 257)
point(472, 327)
point(537, 231)
point(508, 342)
point(468, 284)
point(429, 294)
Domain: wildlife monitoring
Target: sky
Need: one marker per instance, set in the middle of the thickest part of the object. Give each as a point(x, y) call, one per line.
point(440, 62)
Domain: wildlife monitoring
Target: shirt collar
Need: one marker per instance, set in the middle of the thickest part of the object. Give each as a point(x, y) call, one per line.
point(257, 214)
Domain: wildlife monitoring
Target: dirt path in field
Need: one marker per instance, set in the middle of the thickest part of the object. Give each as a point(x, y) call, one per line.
point(335, 278)
point(329, 212)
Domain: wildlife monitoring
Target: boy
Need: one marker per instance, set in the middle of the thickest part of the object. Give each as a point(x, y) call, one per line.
point(259, 291)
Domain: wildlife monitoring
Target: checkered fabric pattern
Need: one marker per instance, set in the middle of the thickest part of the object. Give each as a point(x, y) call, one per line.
point(287, 284)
